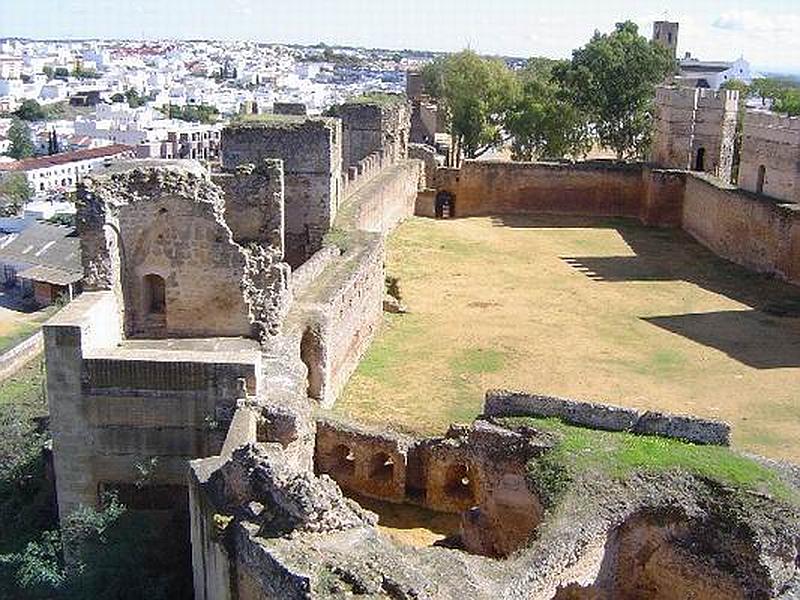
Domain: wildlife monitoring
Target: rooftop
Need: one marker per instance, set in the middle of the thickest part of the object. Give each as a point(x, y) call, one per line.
point(42, 162)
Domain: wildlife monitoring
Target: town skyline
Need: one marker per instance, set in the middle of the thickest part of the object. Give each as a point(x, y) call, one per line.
point(761, 31)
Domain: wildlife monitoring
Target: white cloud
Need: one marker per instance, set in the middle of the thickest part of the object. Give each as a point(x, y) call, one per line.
point(752, 22)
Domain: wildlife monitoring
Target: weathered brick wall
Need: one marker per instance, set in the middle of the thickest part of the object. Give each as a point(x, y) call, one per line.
point(752, 231)
point(771, 141)
point(483, 188)
point(310, 149)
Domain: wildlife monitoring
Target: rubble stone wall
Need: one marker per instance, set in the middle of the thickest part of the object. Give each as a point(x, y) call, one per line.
point(374, 126)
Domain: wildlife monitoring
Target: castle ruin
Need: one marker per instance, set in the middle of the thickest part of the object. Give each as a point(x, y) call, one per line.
point(223, 310)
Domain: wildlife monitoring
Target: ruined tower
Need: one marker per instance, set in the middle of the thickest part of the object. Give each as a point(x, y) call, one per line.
point(665, 33)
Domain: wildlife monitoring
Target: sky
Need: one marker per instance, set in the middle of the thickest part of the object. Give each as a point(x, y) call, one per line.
point(763, 31)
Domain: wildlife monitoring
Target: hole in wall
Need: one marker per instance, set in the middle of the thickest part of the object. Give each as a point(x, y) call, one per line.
point(458, 482)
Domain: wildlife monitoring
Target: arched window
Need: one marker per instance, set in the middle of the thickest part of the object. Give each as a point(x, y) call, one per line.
point(343, 461)
point(762, 177)
point(155, 300)
point(700, 160)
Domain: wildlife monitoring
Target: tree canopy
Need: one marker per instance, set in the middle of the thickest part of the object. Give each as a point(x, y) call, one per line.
point(31, 110)
point(14, 192)
point(542, 120)
point(613, 79)
point(20, 136)
point(475, 94)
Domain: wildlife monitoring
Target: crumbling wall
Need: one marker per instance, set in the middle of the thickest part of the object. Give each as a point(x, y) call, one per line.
point(310, 149)
point(368, 126)
point(504, 403)
point(752, 231)
point(289, 108)
point(427, 154)
point(371, 464)
point(770, 157)
point(156, 235)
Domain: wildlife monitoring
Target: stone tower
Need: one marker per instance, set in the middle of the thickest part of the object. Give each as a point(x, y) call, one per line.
point(695, 129)
point(665, 33)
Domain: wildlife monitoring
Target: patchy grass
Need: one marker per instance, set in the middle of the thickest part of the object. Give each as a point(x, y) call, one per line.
point(594, 309)
point(619, 454)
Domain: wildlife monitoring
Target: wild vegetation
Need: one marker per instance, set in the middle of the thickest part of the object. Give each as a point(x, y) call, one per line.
point(114, 553)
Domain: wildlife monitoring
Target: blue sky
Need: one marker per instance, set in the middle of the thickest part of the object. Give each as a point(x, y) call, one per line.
point(764, 31)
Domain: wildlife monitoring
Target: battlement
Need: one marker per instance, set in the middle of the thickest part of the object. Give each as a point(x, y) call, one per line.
point(696, 98)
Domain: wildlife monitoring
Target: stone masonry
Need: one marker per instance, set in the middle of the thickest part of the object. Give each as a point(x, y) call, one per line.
point(770, 162)
point(695, 130)
point(310, 149)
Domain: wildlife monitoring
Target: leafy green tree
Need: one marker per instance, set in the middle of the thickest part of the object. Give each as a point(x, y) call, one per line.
point(134, 99)
point(48, 71)
point(613, 79)
point(543, 122)
point(31, 110)
point(14, 192)
point(475, 94)
point(20, 136)
point(787, 101)
point(200, 113)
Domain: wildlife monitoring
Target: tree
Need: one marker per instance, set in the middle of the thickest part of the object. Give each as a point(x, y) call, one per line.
point(48, 71)
point(787, 101)
point(134, 99)
point(543, 122)
point(475, 94)
point(20, 135)
point(31, 110)
point(14, 192)
point(613, 79)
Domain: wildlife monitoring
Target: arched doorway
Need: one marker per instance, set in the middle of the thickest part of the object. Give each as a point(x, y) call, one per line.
point(762, 178)
point(445, 206)
point(155, 295)
point(700, 160)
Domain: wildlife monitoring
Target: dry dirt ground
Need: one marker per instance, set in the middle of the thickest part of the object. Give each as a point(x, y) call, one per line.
point(594, 309)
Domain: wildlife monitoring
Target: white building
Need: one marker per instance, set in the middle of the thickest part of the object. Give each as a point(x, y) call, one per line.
point(10, 67)
point(713, 74)
point(61, 173)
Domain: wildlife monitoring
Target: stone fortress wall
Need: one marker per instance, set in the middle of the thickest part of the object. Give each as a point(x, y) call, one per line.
point(770, 162)
point(748, 229)
point(310, 149)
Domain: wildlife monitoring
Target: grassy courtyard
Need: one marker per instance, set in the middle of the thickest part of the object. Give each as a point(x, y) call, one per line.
point(595, 309)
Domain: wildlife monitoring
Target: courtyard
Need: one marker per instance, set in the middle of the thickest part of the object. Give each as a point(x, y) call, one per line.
point(593, 309)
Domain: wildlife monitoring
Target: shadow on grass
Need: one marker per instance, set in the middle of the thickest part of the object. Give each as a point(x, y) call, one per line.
point(749, 336)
